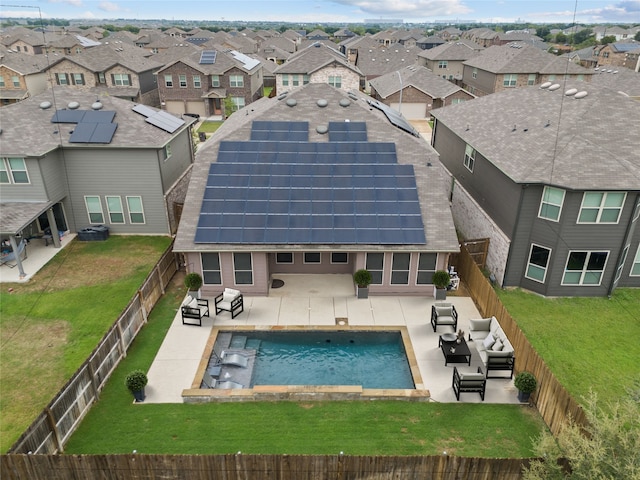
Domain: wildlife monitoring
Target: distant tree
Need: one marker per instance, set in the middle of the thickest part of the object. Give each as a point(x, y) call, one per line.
point(282, 29)
point(608, 39)
point(637, 36)
point(543, 32)
point(131, 28)
point(607, 449)
point(561, 38)
point(582, 35)
point(358, 30)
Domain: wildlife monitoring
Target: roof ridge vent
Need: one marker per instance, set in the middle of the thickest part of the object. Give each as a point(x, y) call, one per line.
point(73, 105)
point(545, 85)
point(571, 91)
point(44, 105)
point(581, 94)
point(554, 87)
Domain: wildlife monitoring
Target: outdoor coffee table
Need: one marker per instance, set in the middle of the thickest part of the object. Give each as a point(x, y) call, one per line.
point(460, 353)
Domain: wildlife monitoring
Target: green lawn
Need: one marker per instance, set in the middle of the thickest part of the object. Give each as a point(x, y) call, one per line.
point(116, 425)
point(587, 342)
point(50, 325)
point(209, 126)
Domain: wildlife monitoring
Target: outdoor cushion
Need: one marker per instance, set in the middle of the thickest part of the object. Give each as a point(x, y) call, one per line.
point(481, 324)
point(489, 341)
point(503, 353)
point(193, 303)
point(187, 301)
point(498, 346)
point(472, 376)
point(443, 311)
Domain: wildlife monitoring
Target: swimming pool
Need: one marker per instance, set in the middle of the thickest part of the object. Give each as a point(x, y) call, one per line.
point(370, 359)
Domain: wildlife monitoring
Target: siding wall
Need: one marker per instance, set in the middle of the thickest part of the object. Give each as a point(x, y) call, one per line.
point(181, 157)
point(33, 191)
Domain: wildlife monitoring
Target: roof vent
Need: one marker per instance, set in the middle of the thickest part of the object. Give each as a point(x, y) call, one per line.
point(580, 94)
point(571, 91)
point(45, 105)
point(545, 85)
point(352, 96)
point(282, 95)
point(322, 103)
point(292, 102)
point(73, 105)
point(344, 102)
point(322, 129)
point(554, 87)
point(96, 105)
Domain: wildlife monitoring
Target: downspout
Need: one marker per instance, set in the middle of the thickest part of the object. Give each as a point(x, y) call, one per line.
point(631, 226)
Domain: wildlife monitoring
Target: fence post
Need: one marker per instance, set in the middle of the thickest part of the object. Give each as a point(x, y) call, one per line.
point(54, 429)
point(142, 307)
point(94, 380)
point(121, 346)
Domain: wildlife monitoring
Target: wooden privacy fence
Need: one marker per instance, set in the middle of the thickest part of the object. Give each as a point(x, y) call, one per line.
point(552, 400)
point(242, 467)
point(52, 428)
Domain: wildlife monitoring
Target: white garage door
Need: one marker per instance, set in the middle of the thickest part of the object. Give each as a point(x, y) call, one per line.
point(412, 111)
point(196, 107)
point(173, 106)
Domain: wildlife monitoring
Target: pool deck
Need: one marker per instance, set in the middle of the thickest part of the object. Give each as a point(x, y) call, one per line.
point(318, 300)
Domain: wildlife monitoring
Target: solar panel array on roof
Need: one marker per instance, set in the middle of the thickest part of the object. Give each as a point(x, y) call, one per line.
point(280, 131)
point(92, 126)
point(208, 57)
point(159, 118)
point(394, 117)
point(347, 132)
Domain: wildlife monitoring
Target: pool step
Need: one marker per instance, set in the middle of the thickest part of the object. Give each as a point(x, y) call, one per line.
point(253, 344)
point(238, 341)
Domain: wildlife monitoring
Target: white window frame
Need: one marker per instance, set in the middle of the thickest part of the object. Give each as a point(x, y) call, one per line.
point(584, 271)
point(78, 78)
point(427, 273)
point(121, 80)
point(635, 266)
point(295, 80)
point(280, 262)
point(91, 211)
point(207, 272)
point(544, 269)
point(168, 81)
point(101, 78)
point(2, 84)
point(15, 169)
point(237, 271)
point(114, 207)
point(469, 157)
point(62, 79)
point(285, 80)
point(375, 272)
point(167, 151)
point(547, 202)
point(136, 211)
point(236, 81)
point(238, 103)
point(510, 80)
point(443, 64)
point(305, 79)
point(402, 270)
point(182, 81)
point(310, 261)
point(15, 79)
point(602, 207)
point(474, 73)
point(197, 82)
point(335, 262)
point(531, 80)
point(215, 81)
point(335, 81)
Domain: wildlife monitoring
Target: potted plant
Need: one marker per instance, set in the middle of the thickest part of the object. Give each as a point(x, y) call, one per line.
point(526, 383)
point(193, 282)
point(362, 278)
point(135, 382)
point(441, 280)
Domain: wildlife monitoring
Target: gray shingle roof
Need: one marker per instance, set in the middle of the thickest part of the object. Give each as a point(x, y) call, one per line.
point(379, 60)
point(589, 143)
point(459, 50)
point(431, 182)
point(105, 56)
point(313, 58)
point(417, 77)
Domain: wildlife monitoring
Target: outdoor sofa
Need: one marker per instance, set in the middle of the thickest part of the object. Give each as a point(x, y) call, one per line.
point(494, 348)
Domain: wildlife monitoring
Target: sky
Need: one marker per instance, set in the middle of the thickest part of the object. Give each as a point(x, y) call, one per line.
point(334, 11)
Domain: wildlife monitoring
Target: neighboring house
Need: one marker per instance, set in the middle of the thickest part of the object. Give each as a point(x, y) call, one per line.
point(484, 37)
point(343, 34)
point(584, 57)
point(613, 55)
point(427, 43)
point(621, 80)
point(274, 54)
point(414, 91)
point(620, 33)
point(447, 60)
point(552, 177)
point(71, 45)
point(517, 65)
point(317, 63)
point(377, 61)
point(117, 68)
point(308, 187)
point(21, 76)
point(450, 33)
point(22, 40)
point(318, 35)
point(71, 162)
point(201, 82)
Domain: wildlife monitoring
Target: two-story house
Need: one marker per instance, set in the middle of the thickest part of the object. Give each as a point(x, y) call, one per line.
point(551, 175)
point(414, 91)
point(446, 60)
point(317, 63)
point(70, 161)
point(517, 65)
point(620, 54)
point(201, 82)
point(21, 76)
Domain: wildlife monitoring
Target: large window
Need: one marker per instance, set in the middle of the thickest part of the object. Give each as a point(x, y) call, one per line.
point(375, 265)
point(236, 81)
point(551, 204)
point(15, 79)
point(238, 103)
point(443, 64)
point(13, 170)
point(510, 80)
point(335, 81)
point(168, 81)
point(538, 263)
point(469, 157)
point(295, 81)
point(77, 78)
point(532, 79)
point(601, 207)
point(182, 81)
point(311, 257)
point(284, 257)
point(242, 269)
point(136, 212)
point(584, 268)
point(94, 209)
point(426, 268)
point(635, 268)
point(2, 84)
point(114, 208)
point(285, 80)
point(197, 83)
point(215, 80)
point(61, 79)
point(339, 257)
point(211, 269)
point(400, 268)
point(305, 79)
point(121, 79)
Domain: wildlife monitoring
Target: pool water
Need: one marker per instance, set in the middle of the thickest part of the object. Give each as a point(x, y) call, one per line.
point(369, 359)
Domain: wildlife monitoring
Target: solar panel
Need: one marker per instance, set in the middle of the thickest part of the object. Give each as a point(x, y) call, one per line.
point(165, 121)
point(82, 133)
point(68, 116)
point(348, 132)
point(144, 110)
point(104, 133)
point(208, 57)
point(394, 117)
point(98, 116)
point(93, 133)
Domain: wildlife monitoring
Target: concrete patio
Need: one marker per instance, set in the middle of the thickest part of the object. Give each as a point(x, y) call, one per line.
point(317, 300)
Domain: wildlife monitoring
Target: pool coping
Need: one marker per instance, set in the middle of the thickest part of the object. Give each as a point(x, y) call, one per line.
point(195, 394)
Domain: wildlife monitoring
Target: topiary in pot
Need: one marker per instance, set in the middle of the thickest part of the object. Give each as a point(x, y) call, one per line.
point(362, 278)
point(526, 383)
point(135, 382)
point(193, 282)
point(441, 279)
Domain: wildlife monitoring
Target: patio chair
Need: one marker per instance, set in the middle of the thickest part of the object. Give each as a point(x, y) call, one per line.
point(230, 301)
point(208, 381)
point(469, 382)
point(229, 385)
point(444, 314)
point(234, 359)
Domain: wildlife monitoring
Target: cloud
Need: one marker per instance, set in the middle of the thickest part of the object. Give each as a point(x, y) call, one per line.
point(109, 7)
point(73, 3)
point(421, 8)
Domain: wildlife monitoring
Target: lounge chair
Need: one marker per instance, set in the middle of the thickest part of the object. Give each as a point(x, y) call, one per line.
point(229, 385)
point(208, 381)
point(234, 359)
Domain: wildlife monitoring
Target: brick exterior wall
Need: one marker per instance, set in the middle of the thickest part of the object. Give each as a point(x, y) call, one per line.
point(472, 222)
point(607, 57)
point(350, 79)
point(7, 74)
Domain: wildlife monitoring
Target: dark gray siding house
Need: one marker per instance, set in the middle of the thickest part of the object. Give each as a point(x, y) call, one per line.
point(557, 190)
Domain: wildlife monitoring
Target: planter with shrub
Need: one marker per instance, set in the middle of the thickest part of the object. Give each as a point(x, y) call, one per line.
point(135, 382)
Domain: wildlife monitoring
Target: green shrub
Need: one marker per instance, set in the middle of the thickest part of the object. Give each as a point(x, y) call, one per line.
point(362, 278)
point(525, 382)
point(136, 380)
point(441, 279)
point(193, 281)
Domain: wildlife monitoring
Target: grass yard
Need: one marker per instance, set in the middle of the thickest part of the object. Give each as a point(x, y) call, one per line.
point(587, 342)
point(116, 425)
point(209, 126)
point(50, 325)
